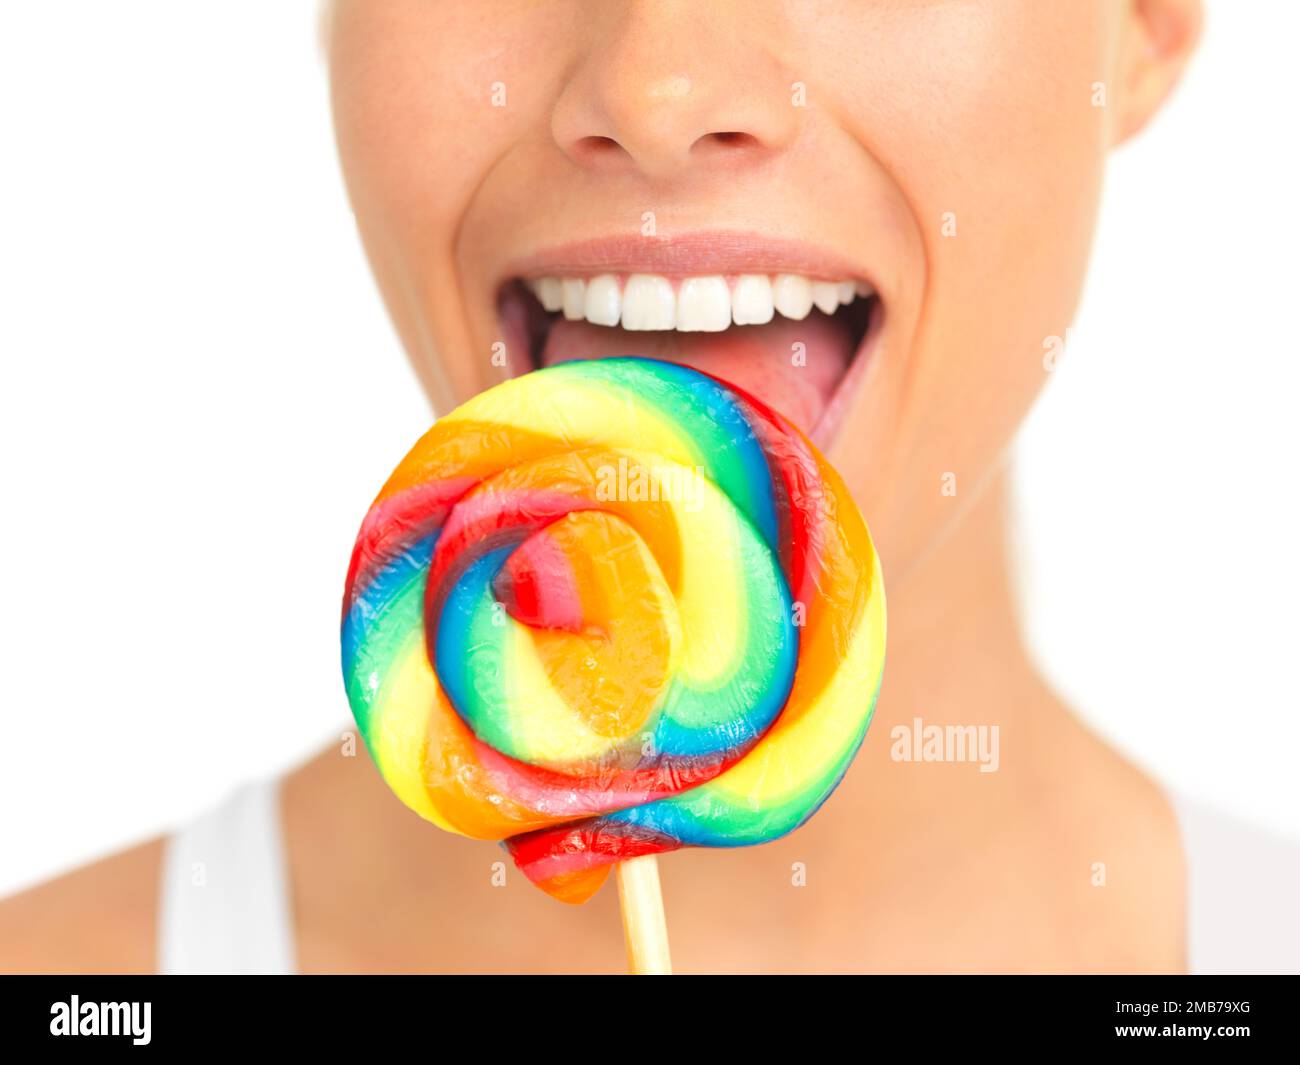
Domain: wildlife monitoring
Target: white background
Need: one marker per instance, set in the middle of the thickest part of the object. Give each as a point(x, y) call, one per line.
point(201, 394)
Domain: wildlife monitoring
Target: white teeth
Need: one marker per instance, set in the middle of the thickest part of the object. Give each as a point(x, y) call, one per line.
point(694, 304)
point(550, 293)
point(703, 305)
point(649, 303)
point(751, 300)
point(575, 298)
point(826, 296)
point(604, 302)
point(792, 296)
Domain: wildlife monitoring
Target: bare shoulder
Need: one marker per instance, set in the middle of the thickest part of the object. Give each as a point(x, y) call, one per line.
point(1116, 836)
point(98, 918)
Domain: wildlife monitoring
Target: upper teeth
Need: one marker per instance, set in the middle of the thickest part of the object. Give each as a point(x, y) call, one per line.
point(695, 304)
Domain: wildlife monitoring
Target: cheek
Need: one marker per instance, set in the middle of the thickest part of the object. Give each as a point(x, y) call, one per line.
point(983, 115)
point(999, 149)
point(426, 97)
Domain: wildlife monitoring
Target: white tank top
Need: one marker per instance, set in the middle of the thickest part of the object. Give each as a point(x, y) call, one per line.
point(224, 903)
point(225, 900)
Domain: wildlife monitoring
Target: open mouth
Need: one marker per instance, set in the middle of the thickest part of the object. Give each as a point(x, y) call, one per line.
point(797, 342)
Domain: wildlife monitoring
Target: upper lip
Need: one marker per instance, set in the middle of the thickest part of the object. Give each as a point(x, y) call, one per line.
point(692, 254)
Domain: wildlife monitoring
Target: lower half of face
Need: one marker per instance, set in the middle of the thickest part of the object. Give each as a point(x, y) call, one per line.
point(875, 217)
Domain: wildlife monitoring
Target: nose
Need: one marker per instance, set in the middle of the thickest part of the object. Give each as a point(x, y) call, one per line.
point(667, 88)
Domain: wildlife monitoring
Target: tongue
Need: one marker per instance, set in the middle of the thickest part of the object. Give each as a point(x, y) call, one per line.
point(764, 360)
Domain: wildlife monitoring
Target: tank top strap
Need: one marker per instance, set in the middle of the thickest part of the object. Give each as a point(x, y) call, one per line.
point(224, 903)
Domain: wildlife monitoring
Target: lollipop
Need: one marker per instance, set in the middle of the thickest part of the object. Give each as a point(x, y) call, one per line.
point(610, 609)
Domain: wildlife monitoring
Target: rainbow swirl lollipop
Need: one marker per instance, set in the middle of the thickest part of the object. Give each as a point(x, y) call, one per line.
point(608, 609)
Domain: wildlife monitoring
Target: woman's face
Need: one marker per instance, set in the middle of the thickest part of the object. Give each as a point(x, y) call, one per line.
point(944, 158)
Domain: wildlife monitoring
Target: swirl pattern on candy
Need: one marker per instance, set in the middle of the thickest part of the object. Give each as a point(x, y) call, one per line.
point(613, 608)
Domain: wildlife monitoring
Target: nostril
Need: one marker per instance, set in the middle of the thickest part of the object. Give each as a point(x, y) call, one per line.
point(725, 141)
point(594, 149)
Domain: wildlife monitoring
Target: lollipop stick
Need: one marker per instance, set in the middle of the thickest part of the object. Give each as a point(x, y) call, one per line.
point(644, 927)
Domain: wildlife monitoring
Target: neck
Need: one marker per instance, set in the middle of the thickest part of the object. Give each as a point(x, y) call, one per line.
point(955, 667)
point(954, 638)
